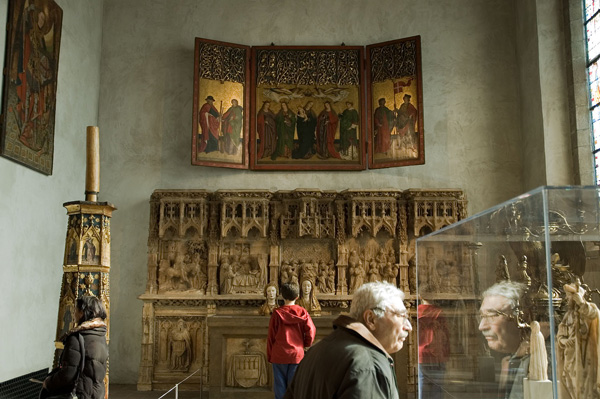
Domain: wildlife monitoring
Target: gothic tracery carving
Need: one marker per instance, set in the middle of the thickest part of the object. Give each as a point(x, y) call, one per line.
point(215, 253)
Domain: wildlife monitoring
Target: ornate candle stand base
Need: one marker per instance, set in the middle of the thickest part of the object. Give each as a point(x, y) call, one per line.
point(86, 264)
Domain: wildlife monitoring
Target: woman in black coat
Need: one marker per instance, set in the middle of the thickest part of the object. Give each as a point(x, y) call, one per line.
point(90, 315)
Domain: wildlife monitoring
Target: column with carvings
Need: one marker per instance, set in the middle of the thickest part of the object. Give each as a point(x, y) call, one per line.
point(86, 262)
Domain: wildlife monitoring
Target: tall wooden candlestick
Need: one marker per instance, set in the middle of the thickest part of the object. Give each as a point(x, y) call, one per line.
point(92, 170)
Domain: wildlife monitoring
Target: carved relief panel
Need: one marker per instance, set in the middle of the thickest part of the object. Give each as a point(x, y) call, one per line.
point(214, 254)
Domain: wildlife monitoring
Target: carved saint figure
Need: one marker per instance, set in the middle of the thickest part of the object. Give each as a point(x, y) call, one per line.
point(523, 272)
point(308, 299)
point(373, 271)
point(227, 275)
point(538, 364)
point(197, 269)
point(286, 273)
point(389, 272)
point(353, 259)
point(309, 270)
point(330, 277)
point(271, 300)
point(178, 274)
point(577, 347)
point(180, 344)
point(322, 279)
point(502, 273)
point(357, 275)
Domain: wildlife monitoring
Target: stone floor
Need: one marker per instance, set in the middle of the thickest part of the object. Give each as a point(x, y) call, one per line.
point(124, 391)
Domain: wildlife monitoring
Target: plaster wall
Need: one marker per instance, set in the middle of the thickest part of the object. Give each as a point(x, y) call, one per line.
point(553, 72)
point(471, 90)
point(32, 220)
point(530, 105)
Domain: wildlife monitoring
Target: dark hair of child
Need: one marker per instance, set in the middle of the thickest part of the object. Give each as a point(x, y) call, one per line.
point(290, 291)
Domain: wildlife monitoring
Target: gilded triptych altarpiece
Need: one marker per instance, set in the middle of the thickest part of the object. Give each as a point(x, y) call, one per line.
point(308, 107)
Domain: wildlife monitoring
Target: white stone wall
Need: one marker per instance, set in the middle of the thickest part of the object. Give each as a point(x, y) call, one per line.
point(33, 222)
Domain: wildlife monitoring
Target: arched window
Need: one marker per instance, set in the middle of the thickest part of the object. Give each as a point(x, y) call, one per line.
point(592, 29)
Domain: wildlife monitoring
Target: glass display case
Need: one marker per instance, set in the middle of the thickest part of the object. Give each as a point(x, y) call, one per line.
point(507, 300)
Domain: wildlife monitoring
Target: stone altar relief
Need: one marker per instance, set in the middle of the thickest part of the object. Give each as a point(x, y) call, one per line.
point(181, 346)
point(247, 365)
point(449, 272)
point(216, 261)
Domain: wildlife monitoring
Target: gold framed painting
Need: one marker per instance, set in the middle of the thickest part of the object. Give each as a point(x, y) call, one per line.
point(29, 93)
point(220, 116)
point(395, 103)
point(307, 108)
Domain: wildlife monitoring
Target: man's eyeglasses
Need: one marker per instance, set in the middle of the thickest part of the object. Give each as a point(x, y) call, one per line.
point(492, 315)
point(402, 314)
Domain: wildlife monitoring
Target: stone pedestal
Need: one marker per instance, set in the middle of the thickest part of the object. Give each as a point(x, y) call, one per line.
point(537, 389)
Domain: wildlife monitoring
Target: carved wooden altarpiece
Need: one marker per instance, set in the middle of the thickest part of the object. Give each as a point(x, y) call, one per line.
point(211, 255)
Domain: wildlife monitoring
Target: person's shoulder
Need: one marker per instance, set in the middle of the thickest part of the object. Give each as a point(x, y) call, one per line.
point(350, 349)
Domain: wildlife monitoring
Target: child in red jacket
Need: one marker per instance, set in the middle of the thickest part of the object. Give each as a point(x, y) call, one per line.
point(290, 331)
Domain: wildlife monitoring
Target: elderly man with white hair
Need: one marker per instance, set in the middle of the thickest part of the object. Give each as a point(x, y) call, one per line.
point(499, 324)
point(354, 361)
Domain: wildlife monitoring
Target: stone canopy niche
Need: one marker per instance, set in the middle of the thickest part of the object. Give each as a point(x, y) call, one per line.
point(212, 256)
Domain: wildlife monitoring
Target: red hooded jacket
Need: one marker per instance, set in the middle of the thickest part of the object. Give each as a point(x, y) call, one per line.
point(434, 337)
point(290, 330)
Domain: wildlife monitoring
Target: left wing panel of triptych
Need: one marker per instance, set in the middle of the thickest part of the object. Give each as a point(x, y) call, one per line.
point(220, 119)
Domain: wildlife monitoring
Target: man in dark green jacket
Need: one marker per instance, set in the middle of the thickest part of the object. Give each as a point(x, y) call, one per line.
point(354, 360)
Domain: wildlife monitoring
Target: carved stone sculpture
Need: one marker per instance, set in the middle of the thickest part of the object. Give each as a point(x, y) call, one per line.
point(270, 304)
point(577, 347)
point(357, 275)
point(218, 257)
point(180, 347)
point(373, 272)
point(227, 275)
point(247, 368)
point(502, 273)
point(538, 363)
point(307, 299)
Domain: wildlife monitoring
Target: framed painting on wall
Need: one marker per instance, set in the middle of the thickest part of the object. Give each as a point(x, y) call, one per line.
point(29, 91)
point(221, 102)
point(395, 103)
point(308, 109)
